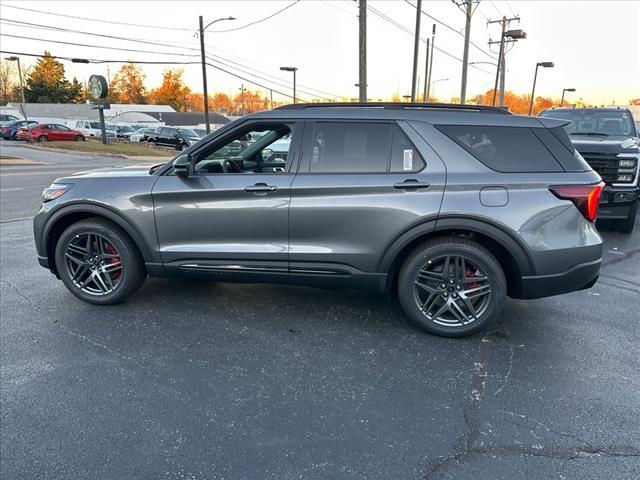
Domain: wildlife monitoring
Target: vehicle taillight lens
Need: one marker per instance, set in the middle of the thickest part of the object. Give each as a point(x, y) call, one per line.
point(585, 197)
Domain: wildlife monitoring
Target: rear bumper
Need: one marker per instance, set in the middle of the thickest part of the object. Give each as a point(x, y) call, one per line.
point(579, 277)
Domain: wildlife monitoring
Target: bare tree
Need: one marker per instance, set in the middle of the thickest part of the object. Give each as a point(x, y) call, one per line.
point(9, 84)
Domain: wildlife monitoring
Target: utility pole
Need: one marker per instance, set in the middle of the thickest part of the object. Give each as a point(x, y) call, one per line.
point(468, 11)
point(242, 99)
point(513, 35)
point(426, 73)
point(204, 78)
point(204, 67)
point(362, 51)
point(271, 97)
point(433, 42)
point(503, 69)
point(416, 49)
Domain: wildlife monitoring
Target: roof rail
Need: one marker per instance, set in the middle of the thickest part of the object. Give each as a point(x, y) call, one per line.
point(396, 106)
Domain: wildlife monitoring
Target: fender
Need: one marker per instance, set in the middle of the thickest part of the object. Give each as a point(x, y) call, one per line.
point(103, 211)
point(472, 223)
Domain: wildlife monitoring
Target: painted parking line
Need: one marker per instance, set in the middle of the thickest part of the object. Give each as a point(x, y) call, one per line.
point(10, 189)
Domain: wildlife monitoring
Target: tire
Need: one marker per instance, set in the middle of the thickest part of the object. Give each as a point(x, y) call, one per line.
point(152, 142)
point(482, 284)
point(626, 225)
point(42, 139)
point(79, 138)
point(125, 279)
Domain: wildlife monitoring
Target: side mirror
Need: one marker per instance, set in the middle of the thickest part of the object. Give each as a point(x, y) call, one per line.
point(182, 166)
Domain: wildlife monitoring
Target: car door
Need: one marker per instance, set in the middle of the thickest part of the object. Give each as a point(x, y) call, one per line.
point(361, 184)
point(230, 215)
point(63, 133)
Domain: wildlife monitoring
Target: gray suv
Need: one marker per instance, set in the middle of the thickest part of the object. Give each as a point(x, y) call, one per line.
point(453, 207)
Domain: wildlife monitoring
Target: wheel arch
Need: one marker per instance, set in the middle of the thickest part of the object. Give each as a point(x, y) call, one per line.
point(70, 214)
point(513, 256)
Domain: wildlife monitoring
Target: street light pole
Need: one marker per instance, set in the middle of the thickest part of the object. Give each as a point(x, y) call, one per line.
point(433, 42)
point(24, 104)
point(535, 77)
point(565, 90)
point(436, 81)
point(204, 68)
point(294, 70)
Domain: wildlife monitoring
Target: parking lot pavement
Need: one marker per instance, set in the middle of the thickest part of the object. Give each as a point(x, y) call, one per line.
point(202, 380)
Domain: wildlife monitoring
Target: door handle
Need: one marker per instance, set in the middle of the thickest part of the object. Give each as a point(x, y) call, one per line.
point(411, 185)
point(260, 188)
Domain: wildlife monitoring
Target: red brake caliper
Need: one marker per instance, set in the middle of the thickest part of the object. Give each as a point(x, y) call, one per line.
point(471, 273)
point(112, 250)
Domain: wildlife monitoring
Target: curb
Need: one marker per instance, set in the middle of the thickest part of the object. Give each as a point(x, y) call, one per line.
point(95, 154)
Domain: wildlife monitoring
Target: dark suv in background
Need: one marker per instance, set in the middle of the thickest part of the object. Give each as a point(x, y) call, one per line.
point(608, 140)
point(179, 138)
point(453, 207)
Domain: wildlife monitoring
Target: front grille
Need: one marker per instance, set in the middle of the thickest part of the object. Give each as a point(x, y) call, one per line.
point(605, 164)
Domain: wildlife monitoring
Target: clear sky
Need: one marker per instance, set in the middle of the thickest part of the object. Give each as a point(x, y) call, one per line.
point(595, 45)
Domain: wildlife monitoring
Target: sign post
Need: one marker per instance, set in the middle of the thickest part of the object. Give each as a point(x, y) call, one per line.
point(99, 89)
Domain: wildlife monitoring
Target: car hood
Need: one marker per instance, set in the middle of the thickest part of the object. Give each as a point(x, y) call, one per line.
point(118, 171)
point(616, 144)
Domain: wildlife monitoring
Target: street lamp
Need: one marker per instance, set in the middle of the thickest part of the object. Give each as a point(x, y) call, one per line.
point(565, 90)
point(433, 90)
point(24, 104)
point(535, 77)
point(204, 68)
point(294, 70)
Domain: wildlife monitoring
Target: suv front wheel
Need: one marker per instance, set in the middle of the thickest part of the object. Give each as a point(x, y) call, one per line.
point(98, 262)
point(451, 287)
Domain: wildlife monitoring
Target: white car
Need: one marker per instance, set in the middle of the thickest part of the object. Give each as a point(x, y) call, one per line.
point(90, 129)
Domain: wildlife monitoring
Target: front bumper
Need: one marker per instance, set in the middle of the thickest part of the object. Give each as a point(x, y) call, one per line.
point(615, 203)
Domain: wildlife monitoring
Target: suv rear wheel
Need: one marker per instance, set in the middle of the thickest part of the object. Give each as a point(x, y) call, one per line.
point(451, 287)
point(98, 262)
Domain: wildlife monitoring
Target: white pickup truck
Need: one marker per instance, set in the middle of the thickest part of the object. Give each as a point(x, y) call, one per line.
point(88, 128)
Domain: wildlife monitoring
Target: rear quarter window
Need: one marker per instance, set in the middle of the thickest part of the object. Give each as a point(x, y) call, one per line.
point(504, 149)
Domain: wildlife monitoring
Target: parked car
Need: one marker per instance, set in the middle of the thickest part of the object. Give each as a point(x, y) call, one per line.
point(49, 132)
point(201, 132)
point(9, 129)
point(453, 207)
point(124, 131)
point(179, 138)
point(142, 135)
point(91, 129)
point(608, 140)
point(8, 118)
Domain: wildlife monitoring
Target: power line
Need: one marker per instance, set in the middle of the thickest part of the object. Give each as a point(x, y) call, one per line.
point(452, 29)
point(147, 62)
point(406, 30)
point(142, 41)
point(112, 22)
point(257, 21)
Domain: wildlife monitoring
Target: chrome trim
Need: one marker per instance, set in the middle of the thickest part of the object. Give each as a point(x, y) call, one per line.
point(232, 268)
point(637, 173)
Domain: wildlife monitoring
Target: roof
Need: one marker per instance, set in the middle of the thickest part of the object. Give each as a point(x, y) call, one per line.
point(58, 110)
point(436, 115)
point(188, 118)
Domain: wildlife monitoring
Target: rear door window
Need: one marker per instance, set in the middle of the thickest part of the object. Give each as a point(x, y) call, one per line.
point(350, 147)
point(504, 149)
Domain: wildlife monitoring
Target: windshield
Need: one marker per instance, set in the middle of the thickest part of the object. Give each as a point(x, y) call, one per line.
point(186, 132)
point(602, 122)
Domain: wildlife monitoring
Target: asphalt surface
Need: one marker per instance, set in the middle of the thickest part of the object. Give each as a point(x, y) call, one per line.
point(198, 380)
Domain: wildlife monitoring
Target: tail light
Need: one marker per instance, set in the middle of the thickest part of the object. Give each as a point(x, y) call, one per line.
point(585, 197)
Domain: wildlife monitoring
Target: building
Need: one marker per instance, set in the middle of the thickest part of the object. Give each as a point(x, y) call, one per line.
point(60, 112)
point(190, 119)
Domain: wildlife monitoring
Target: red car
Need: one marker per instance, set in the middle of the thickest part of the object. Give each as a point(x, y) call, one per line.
point(49, 132)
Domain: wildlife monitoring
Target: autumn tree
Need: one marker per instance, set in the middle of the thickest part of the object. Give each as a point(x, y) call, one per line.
point(634, 101)
point(220, 102)
point(249, 102)
point(172, 91)
point(9, 82)
point(46, 83)
point(128, 85)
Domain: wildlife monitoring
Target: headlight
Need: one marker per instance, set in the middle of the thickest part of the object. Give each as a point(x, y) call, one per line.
point(54, 191)
point(627, 163)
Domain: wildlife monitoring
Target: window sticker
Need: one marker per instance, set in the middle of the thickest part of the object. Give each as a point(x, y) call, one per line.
point(407, 159)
